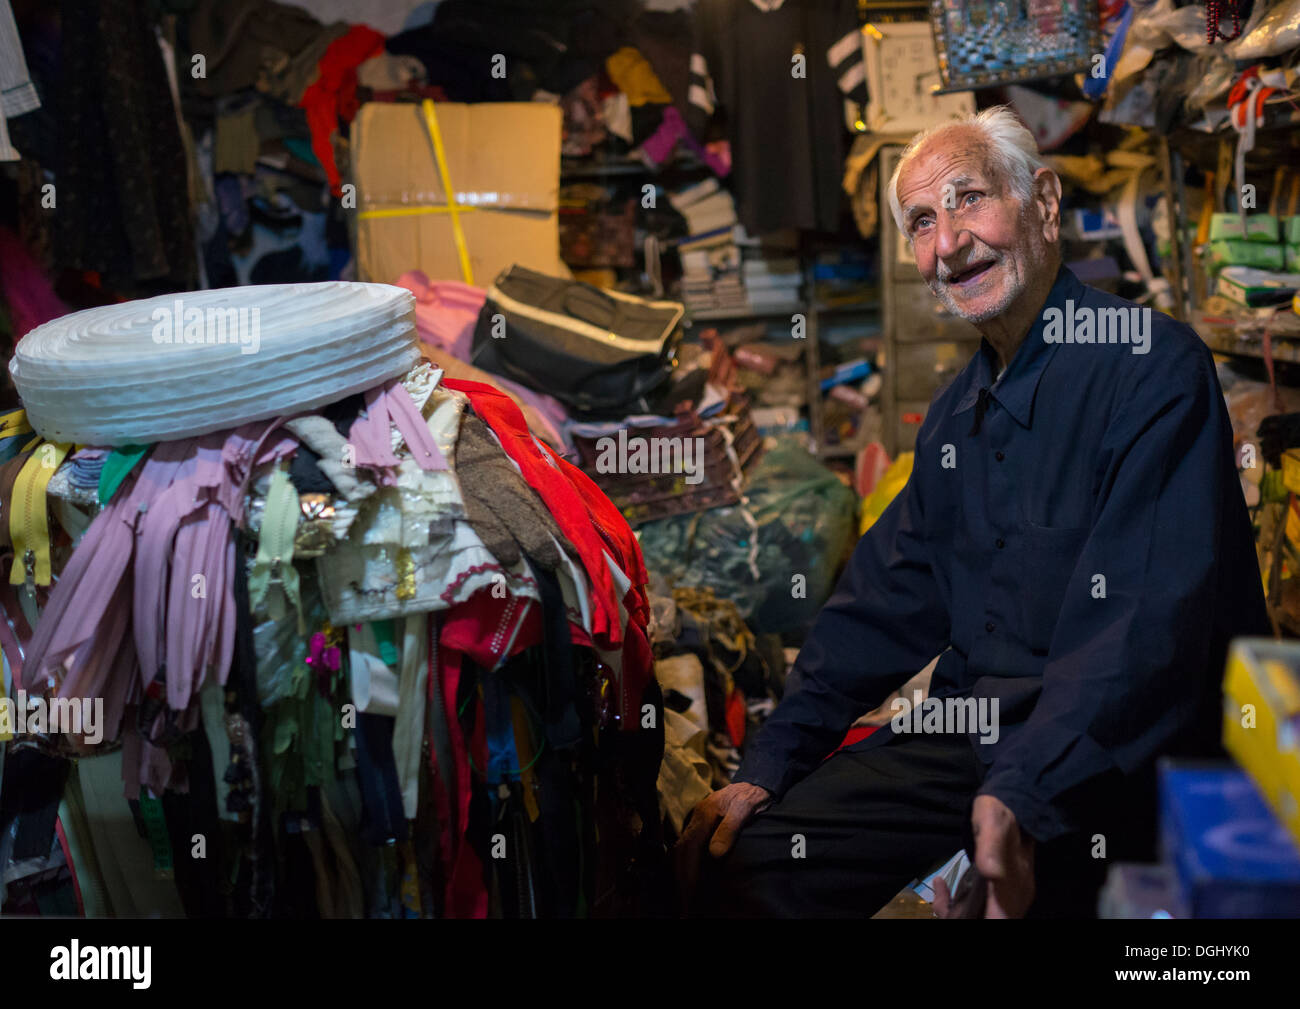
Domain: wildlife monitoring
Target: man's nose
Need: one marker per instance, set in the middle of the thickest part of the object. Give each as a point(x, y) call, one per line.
point(950, 239)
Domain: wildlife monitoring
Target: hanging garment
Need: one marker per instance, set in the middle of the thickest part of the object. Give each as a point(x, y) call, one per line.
point(778, 71)
point(123, 191)
point(17, 93)
point(333, 95)
point(541, 471)
point(133, 887)
point(478, 635)
point(599, 534)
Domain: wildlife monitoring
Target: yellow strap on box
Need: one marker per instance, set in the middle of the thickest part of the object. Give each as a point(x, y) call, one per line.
point(29, 526)
point(452, 207)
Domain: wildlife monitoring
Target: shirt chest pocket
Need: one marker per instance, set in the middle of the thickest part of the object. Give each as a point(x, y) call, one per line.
point(1048, 559)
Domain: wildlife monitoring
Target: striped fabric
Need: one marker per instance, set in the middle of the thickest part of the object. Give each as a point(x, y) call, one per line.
point(701, 94)
point(845, 58)
point(847, 61)
point(17, 93)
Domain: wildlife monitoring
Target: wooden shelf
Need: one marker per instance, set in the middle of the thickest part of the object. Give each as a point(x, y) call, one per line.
point(743, 314)
point(1223, 340)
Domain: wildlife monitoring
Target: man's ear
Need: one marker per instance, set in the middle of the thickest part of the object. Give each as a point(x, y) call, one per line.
point(1047, 200)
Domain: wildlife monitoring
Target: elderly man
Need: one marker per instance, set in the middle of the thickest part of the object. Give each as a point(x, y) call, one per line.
point(1073, 543)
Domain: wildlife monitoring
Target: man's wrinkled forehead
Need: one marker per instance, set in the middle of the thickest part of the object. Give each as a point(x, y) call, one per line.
point(957, 158)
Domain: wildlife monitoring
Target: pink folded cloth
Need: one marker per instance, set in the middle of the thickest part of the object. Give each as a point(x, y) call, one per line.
point(446, 313)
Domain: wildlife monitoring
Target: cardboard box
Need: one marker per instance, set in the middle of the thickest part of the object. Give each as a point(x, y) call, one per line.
point(1246, 285)
point(1230, 855)
point(1265, 737)
point(503, 164)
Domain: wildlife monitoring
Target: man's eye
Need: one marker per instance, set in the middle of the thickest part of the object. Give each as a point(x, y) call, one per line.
point(966, 200)
point(920, 224)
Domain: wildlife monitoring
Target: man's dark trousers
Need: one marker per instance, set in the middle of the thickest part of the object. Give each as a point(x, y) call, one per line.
point(868, 821)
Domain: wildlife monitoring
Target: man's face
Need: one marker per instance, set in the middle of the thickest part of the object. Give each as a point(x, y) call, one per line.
point(976, 244)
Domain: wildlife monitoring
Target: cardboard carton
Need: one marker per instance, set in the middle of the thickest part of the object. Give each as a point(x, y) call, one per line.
point(503, 165)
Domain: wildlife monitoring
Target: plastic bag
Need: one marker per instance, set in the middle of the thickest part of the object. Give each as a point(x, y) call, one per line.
point(804, 520)
point(894, 480)
point(1268, 32)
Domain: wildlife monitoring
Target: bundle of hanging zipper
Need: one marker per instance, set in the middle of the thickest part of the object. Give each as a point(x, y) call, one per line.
point(345, 636)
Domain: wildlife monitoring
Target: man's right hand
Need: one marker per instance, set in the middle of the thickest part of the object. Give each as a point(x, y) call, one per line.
point(716, 821)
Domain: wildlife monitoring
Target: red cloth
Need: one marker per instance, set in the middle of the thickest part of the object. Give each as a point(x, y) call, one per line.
point(855, 735)
point(594, 526)
point(735, 714)
point(618, 534)
point(506, 420)
point(333, 95)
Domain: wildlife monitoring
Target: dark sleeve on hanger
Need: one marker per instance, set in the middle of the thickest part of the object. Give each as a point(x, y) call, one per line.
point(845, 55)
point(706, 61)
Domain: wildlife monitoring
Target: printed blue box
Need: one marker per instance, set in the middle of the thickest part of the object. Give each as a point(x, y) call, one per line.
point(1231, 856)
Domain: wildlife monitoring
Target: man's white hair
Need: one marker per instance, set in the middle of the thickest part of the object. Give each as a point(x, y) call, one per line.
point(1011, 147)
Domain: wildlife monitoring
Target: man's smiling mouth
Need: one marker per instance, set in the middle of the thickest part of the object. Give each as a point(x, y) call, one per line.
point(972, 273)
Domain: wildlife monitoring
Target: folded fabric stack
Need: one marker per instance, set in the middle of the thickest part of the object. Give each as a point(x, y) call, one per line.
point(356, 572)
point(710, 253)
point(711, 278)
point(723, 269)
point(771, 283)
point(653, 467)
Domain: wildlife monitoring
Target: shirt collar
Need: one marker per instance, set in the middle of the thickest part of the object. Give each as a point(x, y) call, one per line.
point(1016, 389)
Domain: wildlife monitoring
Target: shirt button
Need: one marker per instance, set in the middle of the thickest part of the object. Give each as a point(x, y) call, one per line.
point(998, 456)
point(989, 627)
point(1001, 543)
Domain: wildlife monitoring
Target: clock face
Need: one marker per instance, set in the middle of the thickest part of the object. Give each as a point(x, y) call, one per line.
point(903, 72)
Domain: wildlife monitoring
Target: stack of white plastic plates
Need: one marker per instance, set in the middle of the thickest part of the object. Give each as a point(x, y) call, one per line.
point(181, 365)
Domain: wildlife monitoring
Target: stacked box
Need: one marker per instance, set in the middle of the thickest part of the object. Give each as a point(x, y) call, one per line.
point(1230, 855)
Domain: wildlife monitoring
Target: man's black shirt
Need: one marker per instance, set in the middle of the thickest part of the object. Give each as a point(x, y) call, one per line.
point(1082, 555)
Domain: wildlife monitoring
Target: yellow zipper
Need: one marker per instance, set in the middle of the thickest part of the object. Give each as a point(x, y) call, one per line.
point(14, 422)
point(29, 524)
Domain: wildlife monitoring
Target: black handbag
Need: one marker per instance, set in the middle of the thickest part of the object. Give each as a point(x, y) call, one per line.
point(598, 352)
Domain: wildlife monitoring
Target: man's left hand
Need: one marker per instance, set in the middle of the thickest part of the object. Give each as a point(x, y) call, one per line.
point(1004, 855)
